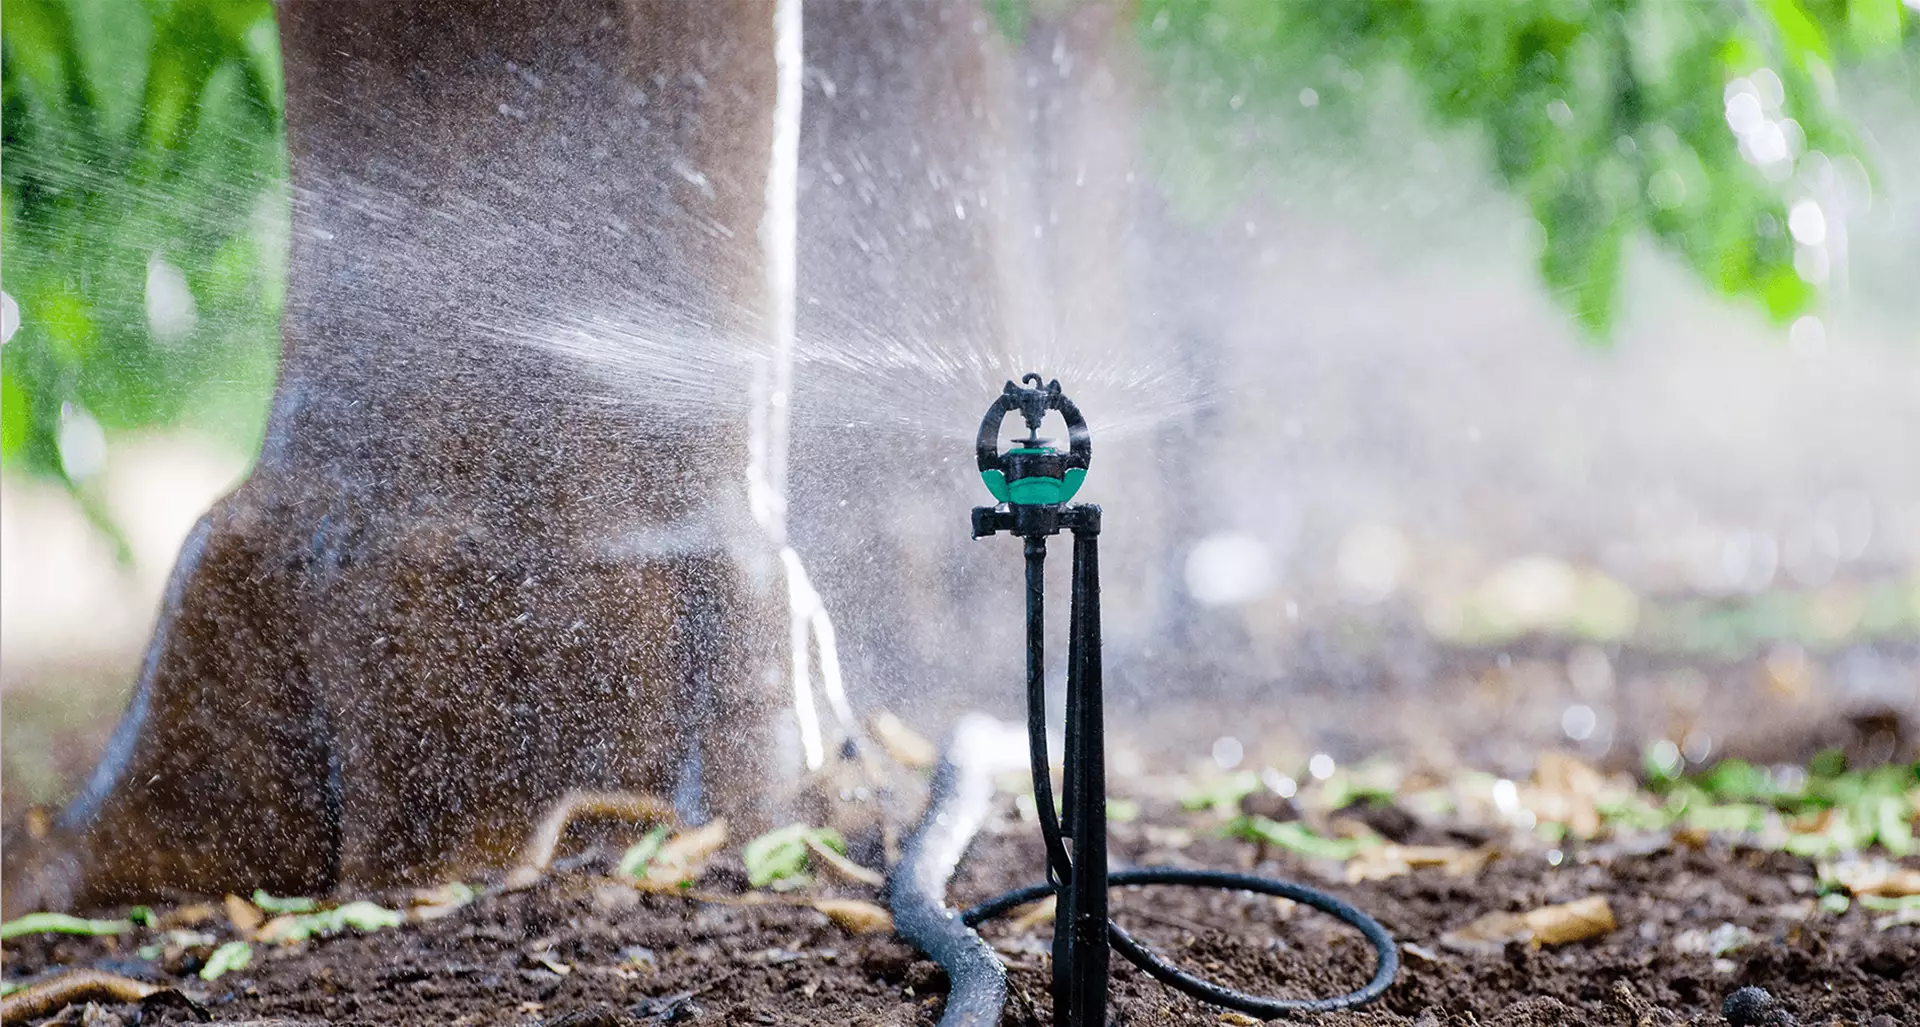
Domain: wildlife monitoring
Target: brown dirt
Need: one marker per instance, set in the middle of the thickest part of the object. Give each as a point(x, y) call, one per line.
point(583, 949)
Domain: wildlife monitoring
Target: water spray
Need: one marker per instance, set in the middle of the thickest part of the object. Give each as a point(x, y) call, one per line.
point(1033, 483)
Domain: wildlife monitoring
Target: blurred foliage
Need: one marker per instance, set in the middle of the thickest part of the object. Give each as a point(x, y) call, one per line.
point(1829, 809)
point(145, 223)
point(146, 165)
point(1823, 810)
point(1604, 116)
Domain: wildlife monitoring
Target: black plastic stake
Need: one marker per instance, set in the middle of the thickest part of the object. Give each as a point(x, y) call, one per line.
point(1082, 913)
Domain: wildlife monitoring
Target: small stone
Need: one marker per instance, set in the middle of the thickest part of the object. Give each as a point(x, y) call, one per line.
point(1750, 1007)
point(1262, 803)
point(1383, 818)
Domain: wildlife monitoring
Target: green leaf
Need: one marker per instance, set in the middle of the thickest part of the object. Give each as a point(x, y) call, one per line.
point(1222, 795)
point(360, 915)
point(1012, 17)
point(1842, 833)
point(271, 904)
point(364, 916)
point(1801, 38)
point(1660, 763)
point(1295, 837)
point(1890, 904)
point(1874, 25)
point(1892, 820)
point(16, 411)
point(1727, 818)
point(1633, 813)
point(61, 923)
point(1736, 780)
point(639, 856)
point(231, 956)
point(780, 855)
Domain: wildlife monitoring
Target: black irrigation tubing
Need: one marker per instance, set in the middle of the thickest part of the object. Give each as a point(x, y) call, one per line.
point(1387, 957)
point(916, 892)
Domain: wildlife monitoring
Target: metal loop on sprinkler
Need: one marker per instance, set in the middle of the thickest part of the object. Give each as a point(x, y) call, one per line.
point(1032, 483)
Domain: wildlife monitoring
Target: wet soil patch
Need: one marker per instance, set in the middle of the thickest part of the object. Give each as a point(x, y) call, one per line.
point(585, 949)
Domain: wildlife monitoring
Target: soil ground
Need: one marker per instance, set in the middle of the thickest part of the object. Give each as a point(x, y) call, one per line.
point(585, 948)
point(1698, 916)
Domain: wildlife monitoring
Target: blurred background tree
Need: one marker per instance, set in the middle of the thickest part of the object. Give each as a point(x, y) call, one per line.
point(1710, 125)
point(145, 214)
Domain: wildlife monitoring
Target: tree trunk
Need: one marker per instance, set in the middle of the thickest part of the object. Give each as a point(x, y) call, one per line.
point(463, 579)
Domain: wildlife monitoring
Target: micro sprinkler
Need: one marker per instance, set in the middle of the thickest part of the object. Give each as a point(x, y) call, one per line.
point(1032, 484)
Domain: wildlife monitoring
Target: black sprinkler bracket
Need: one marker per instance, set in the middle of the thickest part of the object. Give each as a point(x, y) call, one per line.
point(1032, 480)
point(1033, 483)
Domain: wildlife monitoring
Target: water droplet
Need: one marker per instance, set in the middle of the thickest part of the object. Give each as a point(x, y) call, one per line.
point(1578, 721)
point(171, 314)
point(1808, 336)
point(83, 446)
point(1744, 113)
point(1370, 561)
point(1807, 223)
point(1506, 797)
point(1229, 567)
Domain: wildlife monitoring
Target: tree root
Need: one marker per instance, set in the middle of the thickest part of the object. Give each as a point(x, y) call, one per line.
point(48, 996)
point(634, 807)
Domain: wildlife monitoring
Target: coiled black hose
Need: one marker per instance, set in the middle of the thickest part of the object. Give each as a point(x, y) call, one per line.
point(1387, 957)
point(960, 798)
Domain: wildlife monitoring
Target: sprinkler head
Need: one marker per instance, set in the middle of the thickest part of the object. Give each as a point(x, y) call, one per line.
point(1033, 473)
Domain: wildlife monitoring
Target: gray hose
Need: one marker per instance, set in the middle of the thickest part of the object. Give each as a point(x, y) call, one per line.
point(960, 799)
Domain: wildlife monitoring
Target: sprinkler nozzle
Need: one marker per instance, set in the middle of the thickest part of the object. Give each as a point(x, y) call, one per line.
point(1033, 473)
